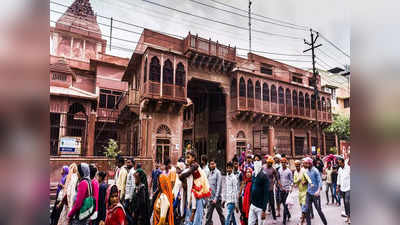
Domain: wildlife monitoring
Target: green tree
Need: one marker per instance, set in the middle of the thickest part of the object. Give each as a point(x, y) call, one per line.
point(340, 126)
point(111, 151)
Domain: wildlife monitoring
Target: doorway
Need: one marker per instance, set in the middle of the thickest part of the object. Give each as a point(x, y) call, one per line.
point(209, 119)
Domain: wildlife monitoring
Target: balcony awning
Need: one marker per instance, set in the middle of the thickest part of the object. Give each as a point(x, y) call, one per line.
point(72, 92)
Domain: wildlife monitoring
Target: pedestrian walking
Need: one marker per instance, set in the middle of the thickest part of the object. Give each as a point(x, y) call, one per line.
point(204, 164)
point(155, 173)
point(69, 194)
point(313, 191)
point(272, 175)
point(334, 175)
point(95, 186)
point(245, 193)
point(57, 208)
point(163, 212)
point(84, 190)
point(129, 189)
point(101, 212)
point(277, 165)
point(259, 193)
point(121, 173)
point(215, 201)
point(140, 200)
point(198, 185)
point(343, 183)
point(301, 181)
point(329, 186)
point(179, 196)
point(115, 210)
point(286, 182)
point(231, 194)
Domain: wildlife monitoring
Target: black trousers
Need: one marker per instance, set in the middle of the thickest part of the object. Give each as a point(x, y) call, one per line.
point(311, 199)
point(271, 202)
point(286, 213)
point(346, 198)
point(210, 212)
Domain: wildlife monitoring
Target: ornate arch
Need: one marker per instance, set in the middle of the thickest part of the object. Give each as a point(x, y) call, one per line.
point(163, 130)
point(241, 135)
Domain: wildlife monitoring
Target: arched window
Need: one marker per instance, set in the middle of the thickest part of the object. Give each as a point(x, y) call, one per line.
point(301, 100)
point(294, 98)
point(242, 88)
point(155, 69)
point(323, 104)
point(313, 101)
point(319, 104)
point(168, 75)
point(145, 71)
point(307, 101)
point(163, 130)
point(273, 94)
point(180, 76)
point(240, 135)
point(233, 88)
point(328, 105)
point(250, 92)
point(281, 95)
point(288, 97)
point(258, 90)
point(265, 92)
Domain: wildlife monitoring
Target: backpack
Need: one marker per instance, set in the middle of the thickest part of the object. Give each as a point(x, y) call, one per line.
point(89, 204)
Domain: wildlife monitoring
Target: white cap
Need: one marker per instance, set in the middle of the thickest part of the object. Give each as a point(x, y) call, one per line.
point(278, 156)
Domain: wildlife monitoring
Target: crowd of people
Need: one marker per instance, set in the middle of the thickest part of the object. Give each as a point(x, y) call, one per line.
point(190, 191)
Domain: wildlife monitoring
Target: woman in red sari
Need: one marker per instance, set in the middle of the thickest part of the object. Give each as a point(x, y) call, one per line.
point(245, 191)
point(115, 210)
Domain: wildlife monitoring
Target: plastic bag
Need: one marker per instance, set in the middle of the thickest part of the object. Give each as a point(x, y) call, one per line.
point(292, 197)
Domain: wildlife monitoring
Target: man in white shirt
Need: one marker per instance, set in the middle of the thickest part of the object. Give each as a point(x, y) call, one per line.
point(130, 180)
point(343, 183)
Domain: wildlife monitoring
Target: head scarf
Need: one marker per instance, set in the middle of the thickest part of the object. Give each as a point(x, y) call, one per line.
point(297, 162)
point(284, 160)
point(112, 208)
point(308, 160)
point(278, 156)
point(64, 177)
point(84, 171)
point(70, 184)
point(246, 193)
point(142, 176)
point(165, 188)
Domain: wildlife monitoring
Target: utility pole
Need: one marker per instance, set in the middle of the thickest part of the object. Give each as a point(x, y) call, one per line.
point(111, 27)
point(250, 26)
point(316, 94)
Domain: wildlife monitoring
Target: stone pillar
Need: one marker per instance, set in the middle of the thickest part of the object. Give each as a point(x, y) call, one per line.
point(90, 133)
point(63, 128)
point(309, 142)
point(292, 140)
point(324, 143)
point(271, 140)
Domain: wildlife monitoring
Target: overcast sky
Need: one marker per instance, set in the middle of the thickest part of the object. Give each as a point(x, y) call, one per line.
point(331, 18)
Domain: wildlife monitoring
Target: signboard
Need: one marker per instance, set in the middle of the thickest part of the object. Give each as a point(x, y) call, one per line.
point(313, 150)
point(70, 145)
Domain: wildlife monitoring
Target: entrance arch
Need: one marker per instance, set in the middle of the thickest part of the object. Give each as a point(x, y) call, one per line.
point(163, 143)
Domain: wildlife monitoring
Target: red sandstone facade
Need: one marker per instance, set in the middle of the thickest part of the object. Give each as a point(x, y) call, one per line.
point(196, 91)
point(85, 84)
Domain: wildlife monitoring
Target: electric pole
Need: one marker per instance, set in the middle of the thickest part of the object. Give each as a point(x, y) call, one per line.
point(249, 25)
point(316, 94)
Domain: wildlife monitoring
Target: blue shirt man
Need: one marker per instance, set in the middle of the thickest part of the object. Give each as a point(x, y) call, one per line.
point(315, 177)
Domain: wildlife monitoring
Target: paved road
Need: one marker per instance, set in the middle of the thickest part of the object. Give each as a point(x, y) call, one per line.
point(332, 214)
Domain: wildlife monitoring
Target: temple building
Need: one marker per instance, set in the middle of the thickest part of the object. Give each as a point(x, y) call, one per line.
point(85, 85)
point(199, 92)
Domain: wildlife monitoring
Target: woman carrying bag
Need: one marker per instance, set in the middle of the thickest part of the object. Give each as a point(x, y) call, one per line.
point(84, 204)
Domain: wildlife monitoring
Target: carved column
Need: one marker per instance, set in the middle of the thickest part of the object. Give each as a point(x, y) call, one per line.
point(293, 143)
point(271, 140)
point(309, 143)
point(90, 133)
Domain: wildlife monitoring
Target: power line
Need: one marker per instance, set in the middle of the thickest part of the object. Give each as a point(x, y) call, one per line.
point(241, 15)
point(138, 33)
point(280, 21)
point(324, 53)
point(220, 22)
point(335, 46)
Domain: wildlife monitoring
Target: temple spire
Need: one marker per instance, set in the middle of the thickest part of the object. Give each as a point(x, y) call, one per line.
point(80, 18)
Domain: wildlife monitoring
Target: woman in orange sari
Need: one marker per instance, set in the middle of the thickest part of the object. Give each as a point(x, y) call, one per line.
point(163, 209)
